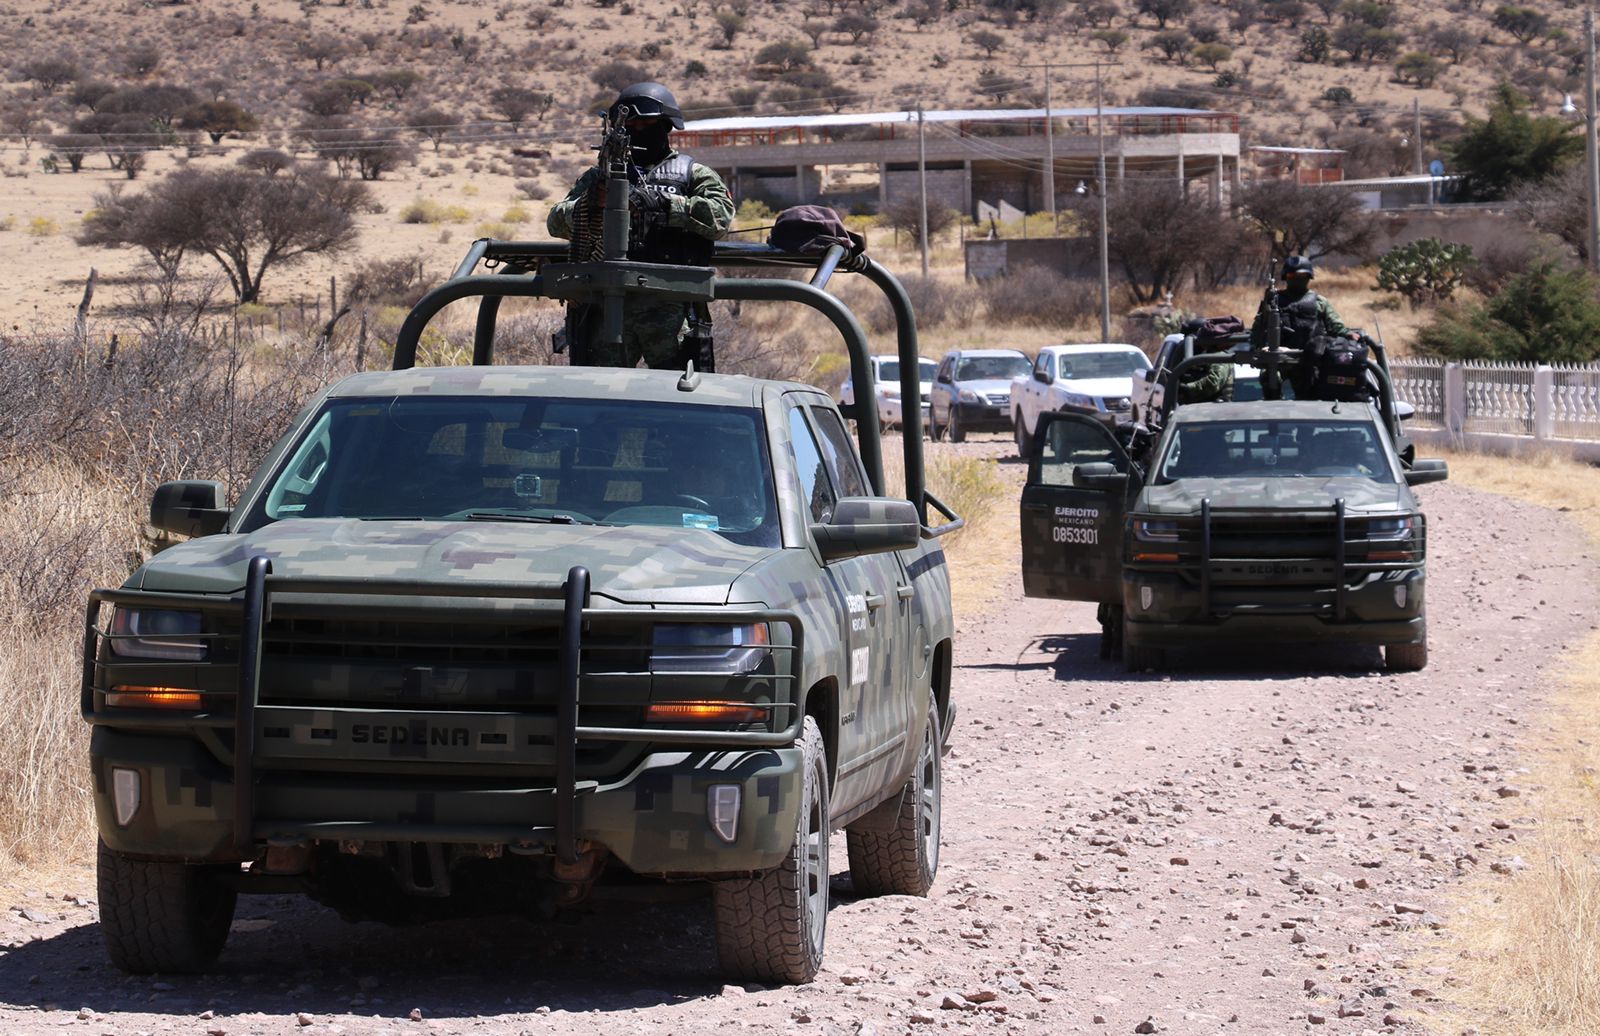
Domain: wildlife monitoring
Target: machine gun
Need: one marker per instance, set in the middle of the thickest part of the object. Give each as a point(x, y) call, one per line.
point(601, 227)
point(1271, 353)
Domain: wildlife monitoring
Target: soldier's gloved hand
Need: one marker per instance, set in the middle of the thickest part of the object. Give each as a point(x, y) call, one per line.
point(650, 200)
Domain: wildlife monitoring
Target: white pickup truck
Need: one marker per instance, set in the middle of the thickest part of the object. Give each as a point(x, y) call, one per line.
point(1094, 379)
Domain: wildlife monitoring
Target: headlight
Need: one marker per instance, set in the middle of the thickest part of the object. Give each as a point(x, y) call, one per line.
point(1158, 531)
point(1079, 400)
point(1390, 528)
point(705, 648)
point(157, 633)
point(968, 396)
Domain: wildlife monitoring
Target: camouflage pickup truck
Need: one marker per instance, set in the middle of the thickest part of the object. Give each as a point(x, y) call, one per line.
point(487, 638)
point(1234, 523)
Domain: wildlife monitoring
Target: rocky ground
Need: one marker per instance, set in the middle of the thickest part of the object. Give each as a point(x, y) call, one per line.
point(1238, 845)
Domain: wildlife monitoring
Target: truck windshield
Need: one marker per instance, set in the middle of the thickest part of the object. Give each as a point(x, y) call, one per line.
point(889, 370)
point(1119, 364)
point(531, 459)
point(1274, 449)
point(984, 368)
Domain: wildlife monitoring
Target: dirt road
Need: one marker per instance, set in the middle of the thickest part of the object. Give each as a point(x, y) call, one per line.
point(1237, 846)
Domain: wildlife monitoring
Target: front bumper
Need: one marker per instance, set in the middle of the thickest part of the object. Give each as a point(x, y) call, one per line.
point(982, 417)
point(1165, 609)
point(654, 820)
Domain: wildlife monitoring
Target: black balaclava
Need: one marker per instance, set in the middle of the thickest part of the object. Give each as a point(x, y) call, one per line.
point(650, 140)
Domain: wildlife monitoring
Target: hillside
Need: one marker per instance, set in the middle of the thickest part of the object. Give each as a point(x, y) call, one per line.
point(486, 106)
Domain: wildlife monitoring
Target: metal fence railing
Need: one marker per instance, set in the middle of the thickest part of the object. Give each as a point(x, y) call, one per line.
point(1515, 400)
point(1499, 398)
point(1420, 383)
point(1576, 402)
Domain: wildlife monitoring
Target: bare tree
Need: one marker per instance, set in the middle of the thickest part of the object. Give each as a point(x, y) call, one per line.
point(1309, 221)
point(248, 224)
point(49, 74)
point(72, 148)
point(1160, 236)
point(120, 220)
point(516, 103)
point(1557, 205)
point(397, 81)
point(435, 124)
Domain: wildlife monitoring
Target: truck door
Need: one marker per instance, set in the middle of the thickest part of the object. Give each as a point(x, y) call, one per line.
point(871, 599)
point(1072, 532)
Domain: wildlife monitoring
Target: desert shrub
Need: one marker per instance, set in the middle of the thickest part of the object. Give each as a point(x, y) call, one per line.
point(1034, 296)
point(515, 214)
point(43, 226)
point(532, 190)
point(388, 282)
point(426, 210)
point(1549, 313)
point(1426, 270)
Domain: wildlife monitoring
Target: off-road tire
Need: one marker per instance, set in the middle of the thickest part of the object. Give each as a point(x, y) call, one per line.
point(158, 916)
point(771, 928)
point(902, 860)
point(1020, 435)
point(954, 430)
point(1136, 658)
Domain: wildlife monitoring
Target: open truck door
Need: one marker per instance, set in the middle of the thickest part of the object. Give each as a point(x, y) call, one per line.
point(1072, 511)
point(1079, 481)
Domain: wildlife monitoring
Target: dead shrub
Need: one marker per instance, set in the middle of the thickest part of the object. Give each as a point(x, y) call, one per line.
point(1034, 296)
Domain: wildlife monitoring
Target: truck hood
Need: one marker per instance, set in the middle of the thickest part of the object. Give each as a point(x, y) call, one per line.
point(637, 564)
point(1098, 386)
point(1359, 495)
point(988, 386)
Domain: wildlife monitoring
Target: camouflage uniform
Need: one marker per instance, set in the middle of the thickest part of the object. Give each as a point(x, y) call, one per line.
point(652, 330)
point(1214, 383)
point(1284, 298)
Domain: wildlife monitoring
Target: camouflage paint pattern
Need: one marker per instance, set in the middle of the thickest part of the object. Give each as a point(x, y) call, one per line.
point(653, 812)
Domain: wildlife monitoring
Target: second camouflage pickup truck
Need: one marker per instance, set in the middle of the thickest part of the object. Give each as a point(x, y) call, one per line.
point(1242, 523)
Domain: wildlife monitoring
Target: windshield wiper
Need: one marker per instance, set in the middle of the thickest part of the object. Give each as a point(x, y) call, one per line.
point(537, 519)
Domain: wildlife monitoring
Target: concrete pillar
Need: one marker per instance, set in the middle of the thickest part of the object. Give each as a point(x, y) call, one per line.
point(1455, 402)
point(1544, 403)
point(733, 185)
point(883, 185)
point(966, 188)
point(800, 185)
point(1122, 167)
point(1216, 182)
point(1183, 182)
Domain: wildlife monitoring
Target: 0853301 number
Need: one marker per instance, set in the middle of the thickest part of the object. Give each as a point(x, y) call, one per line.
point(1075, 534)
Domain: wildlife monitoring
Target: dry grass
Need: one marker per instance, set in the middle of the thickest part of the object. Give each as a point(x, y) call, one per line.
point(1525, 947)
point(45, 812)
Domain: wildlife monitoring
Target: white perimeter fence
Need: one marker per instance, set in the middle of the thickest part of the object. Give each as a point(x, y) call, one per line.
point(1502, 407)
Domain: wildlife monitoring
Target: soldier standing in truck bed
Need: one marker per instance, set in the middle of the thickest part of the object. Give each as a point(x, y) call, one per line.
point(680, 208)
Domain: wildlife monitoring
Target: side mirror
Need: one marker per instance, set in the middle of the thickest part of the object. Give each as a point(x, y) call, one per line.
point(189, 508)
point(1423, 471)
point(868, 525)
point(1039, 375)
point(1404, 411)
point(1099, 475)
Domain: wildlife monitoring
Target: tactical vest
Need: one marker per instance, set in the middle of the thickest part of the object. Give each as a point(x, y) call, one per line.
point(663, 244)
point(1300, 320)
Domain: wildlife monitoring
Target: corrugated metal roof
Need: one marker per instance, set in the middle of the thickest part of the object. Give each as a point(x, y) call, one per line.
point(955, 115)
point(1300, 150)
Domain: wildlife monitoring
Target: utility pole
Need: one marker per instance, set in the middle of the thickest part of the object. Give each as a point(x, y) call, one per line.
point(1591, 160)
point(922, 178)
point(1105, 263)
point(1416, 136)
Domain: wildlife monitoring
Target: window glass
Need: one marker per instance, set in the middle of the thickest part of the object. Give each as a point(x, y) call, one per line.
point(530, 459)
point(925, 369)
point(983, 368)
point(840, 454)
point(808, 463)
point(1067, 444)
point(1275, 449)
point(889, 370)
point(1119, 364)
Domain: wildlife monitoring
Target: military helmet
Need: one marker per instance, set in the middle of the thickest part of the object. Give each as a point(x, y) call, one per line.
point(1297, 266)
point(648, 100)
